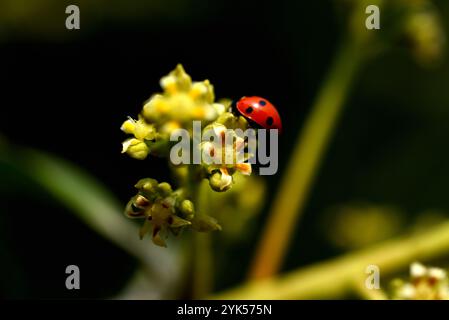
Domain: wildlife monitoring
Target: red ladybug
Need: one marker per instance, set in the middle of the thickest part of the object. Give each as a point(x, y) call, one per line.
point(260, 111)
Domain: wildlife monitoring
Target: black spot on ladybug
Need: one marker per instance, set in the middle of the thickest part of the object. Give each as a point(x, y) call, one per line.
point(262, 103)
point(269, 121)
point(249, 110)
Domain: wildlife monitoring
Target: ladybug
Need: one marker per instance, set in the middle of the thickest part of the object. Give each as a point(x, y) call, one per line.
point(259, 111)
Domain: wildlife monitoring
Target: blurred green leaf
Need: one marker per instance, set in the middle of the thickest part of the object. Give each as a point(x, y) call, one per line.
point(91, 202)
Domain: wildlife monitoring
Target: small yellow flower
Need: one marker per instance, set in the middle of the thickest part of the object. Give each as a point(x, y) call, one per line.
point(136, 147)
point(140, 129)
point(182, 101)
point(220, 181)
point(223, 159)
point(162, 208)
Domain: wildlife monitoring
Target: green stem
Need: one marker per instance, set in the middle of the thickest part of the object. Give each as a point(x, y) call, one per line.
point(310, 147)
point(202, 266)
point(335, 278)
point(202, 276)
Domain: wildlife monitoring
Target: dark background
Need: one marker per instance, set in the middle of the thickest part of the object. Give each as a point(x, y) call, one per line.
point(67, 92)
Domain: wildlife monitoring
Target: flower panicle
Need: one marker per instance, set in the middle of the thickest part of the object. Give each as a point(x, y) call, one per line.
point(181, 102)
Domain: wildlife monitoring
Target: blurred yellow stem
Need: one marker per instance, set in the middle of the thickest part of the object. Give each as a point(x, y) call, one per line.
point(306, 157)
point(202, 276)
point(335, 278)
point(202, 261)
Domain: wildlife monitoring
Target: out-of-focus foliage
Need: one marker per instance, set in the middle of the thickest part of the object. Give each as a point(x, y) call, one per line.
point(356, 225)
point(237, 209)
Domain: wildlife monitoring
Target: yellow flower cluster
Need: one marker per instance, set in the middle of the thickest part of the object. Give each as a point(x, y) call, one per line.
point(161, 207)
point(426, 283)
point(181, 102)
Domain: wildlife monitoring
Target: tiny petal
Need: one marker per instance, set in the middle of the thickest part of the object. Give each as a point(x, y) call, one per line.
point(177, 80)
point(417, 270)
point(157, 239)
point(154, 107)
point(135, 149)
point(128, 126)
point(198, 89)
point(144, 131)
point(219, 108)
point(220, 181)
point(226, 178)
point(437, 273)
point(239, 144)
point(133, 211)
point(244, 168)
point(170, 126)
point(126, 144)
point(144, 229)
point(169, 84)
point(177, 222)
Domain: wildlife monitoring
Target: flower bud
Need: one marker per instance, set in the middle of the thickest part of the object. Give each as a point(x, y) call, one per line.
point(146, 185)
point(220, 182)
point(164, 189)
point(187, 209)
point(133, 211)
point(135, 149)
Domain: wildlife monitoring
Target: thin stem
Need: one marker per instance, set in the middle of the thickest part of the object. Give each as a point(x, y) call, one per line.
point(202, 259)
point(335, 278)
point(202, 276)
point(306, 157)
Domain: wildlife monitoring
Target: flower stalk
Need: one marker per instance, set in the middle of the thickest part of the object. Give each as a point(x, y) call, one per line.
point(308, 152)
point(335, 278)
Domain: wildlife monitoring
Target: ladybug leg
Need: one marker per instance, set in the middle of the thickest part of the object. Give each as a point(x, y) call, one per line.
point(254, 125)
point(233, 108)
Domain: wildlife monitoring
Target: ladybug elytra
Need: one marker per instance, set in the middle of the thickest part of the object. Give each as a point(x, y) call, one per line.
point(260, 111)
